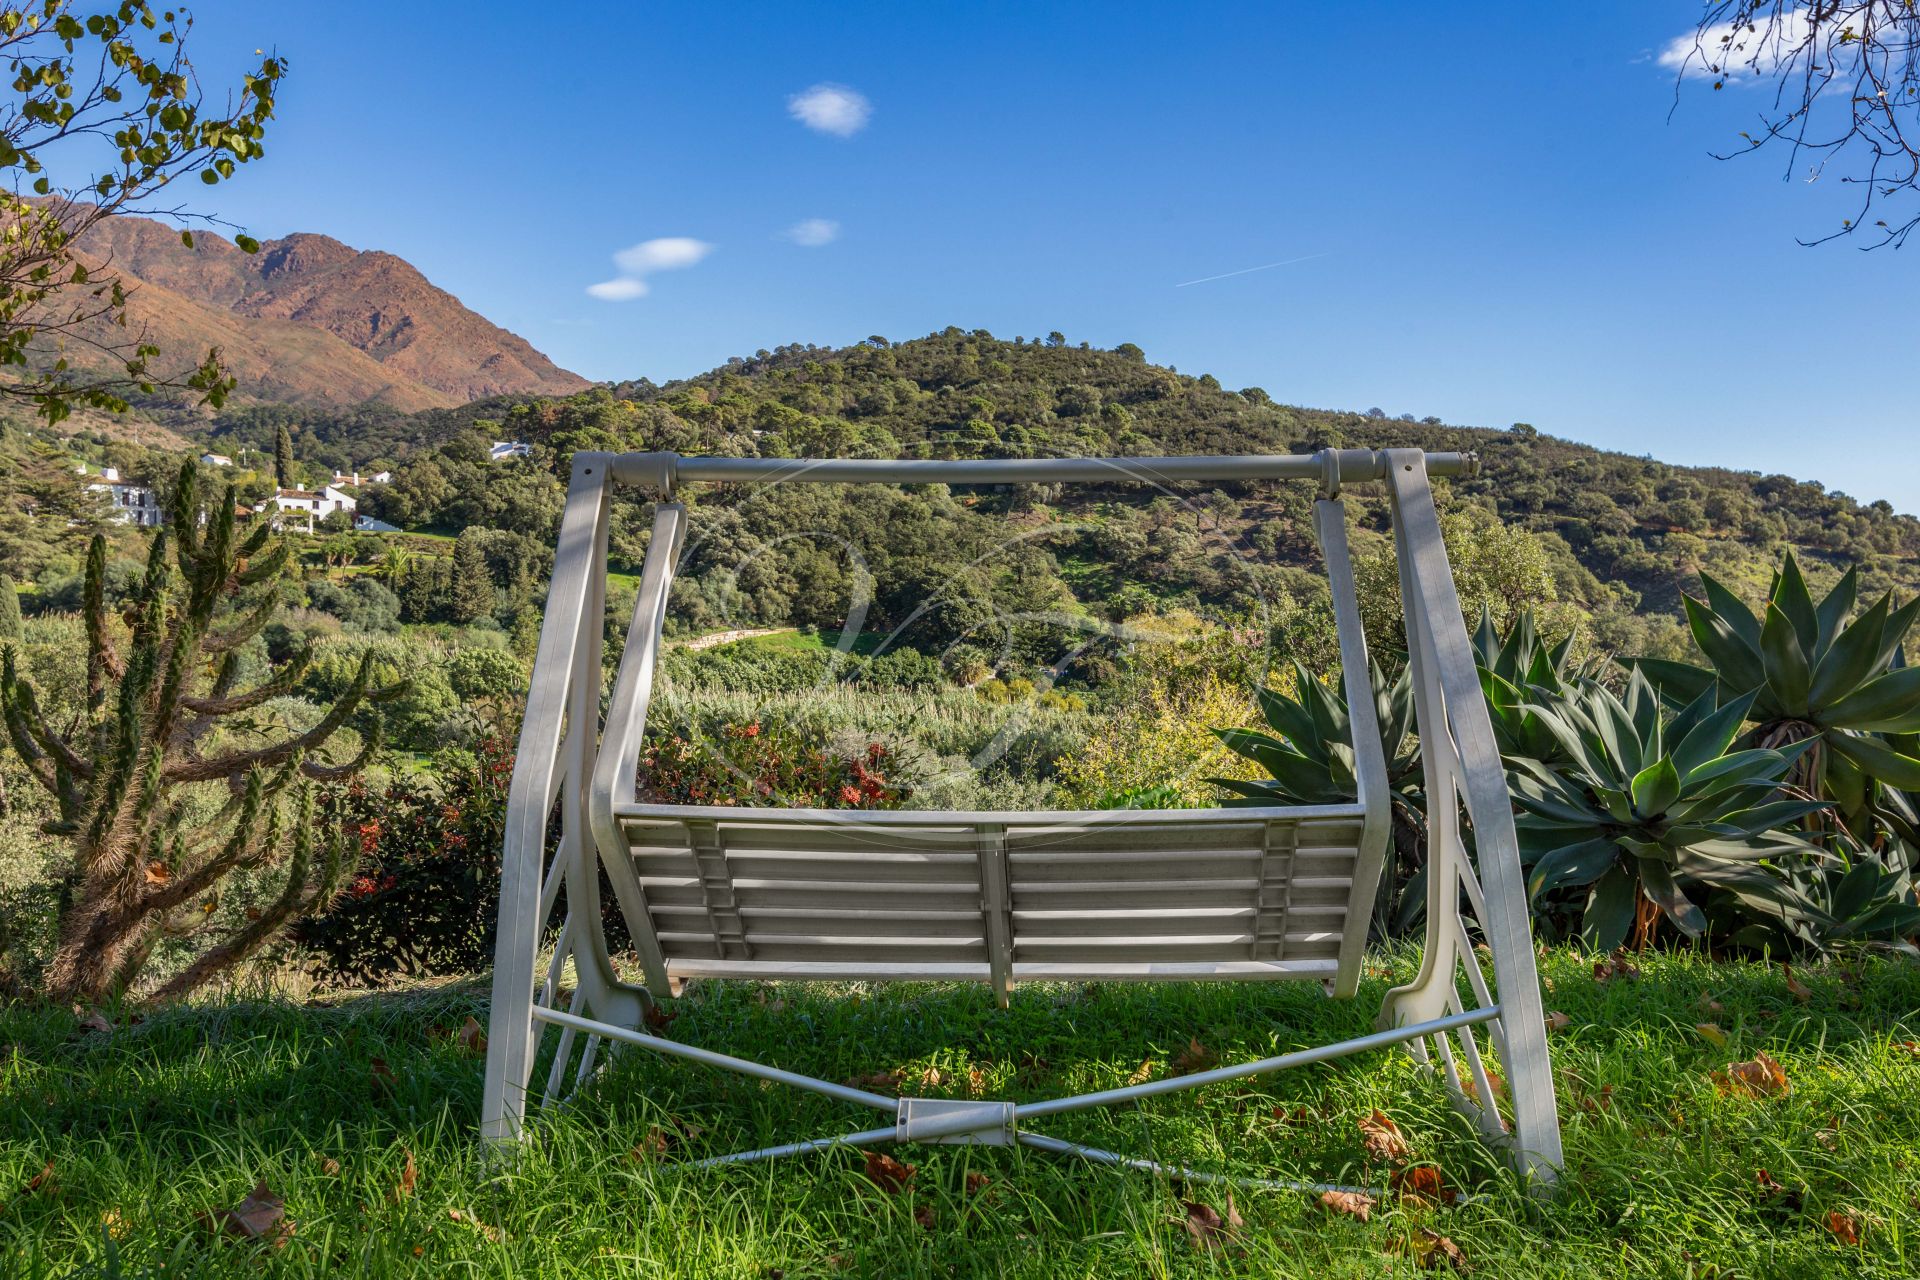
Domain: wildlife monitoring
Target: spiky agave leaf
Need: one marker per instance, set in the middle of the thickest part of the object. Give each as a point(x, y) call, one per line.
point(1814, 671)
point(1647, 803)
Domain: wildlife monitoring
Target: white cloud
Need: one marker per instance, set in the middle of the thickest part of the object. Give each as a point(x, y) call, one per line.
point(665, 254)
point(811, 233)
point(831, 108)
point(669, 253)
point(625, 289)
point(1738, 52)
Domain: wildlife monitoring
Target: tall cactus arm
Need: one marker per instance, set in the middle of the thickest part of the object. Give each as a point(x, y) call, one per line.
point(102, 661)
point(224, 766)
point(24, 720)
point(20, 732)
point(222, 704)
point(249, 627)
point(246, 839)
point(299, 894)
point(369, 747)
point(266, 568)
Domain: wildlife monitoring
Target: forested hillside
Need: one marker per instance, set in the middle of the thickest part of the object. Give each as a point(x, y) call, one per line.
point(1609, 540)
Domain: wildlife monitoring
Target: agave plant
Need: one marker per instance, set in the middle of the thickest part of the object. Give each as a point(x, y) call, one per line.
point(1648, 805)
point(1850, 899)
point(1309, 757)
point(1519, 670)
point(1815, 674)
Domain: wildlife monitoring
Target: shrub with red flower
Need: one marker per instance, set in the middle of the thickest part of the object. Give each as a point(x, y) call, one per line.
point(425, 896)
point(765, 765)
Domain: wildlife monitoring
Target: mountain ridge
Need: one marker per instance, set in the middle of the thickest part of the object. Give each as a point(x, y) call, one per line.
point(310, 319)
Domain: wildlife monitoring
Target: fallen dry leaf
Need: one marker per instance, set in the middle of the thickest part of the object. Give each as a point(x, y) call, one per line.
point(653, 1146)
point(41, 1181)
point(1434, 1250)
point(1791, 1198)
point(1195, 1057)
point(1711, 1033)
point(1797, 989)
point(1471, 1086)
point(1845, 1227)
point(1558, 1021)
point(1760, 1078)
point(261, 1216)
point(1602, 1101)
point(976, 1080)
point(1424, 1182)
point(977, 1182)
point(1615, 967)
point(471, 1038)
point(96, 1021)
point(877, 1080)
point(931, 1078)
point(115, 1224)
point(1910, 1047)
point(1299, 1115)
point(1355, 1204)
point(888, 1174)
point(1208, 1229)
point(1382, 1139)
point(1143, 1072)
point(408, 1175)
point(923, 1214)
point(659, 1019)
point(158, 873)
point(1711, 1005)
point(329, 1166)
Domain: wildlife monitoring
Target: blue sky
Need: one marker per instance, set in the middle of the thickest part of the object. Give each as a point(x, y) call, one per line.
point(1498, 220)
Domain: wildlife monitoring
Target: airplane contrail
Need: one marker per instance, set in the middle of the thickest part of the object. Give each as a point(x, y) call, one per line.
point(1245, 270)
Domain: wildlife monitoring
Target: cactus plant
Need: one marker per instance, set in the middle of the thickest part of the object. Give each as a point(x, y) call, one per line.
point(143, 869)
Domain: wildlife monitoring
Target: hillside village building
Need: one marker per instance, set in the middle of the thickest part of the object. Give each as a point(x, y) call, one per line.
point(305, 509)
point(132, 503)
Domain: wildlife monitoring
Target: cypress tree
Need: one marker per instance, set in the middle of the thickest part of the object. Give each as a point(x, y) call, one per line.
point(9, 609)
point(283, 459)
point(471, 597)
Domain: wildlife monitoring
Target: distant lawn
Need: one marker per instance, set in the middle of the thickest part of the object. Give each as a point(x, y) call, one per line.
point(148, 1126)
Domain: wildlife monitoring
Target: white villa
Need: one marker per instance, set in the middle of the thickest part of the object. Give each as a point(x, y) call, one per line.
point(132, 503)
point(304, 509)
point(503, 449)
point(215, 460)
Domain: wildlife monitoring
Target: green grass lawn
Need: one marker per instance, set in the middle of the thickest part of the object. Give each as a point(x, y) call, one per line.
point(142, 1129)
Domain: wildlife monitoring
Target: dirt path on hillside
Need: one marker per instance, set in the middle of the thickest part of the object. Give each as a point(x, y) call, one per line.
point(717, 638)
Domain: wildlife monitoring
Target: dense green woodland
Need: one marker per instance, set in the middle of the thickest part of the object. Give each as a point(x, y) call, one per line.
point(1613, 539)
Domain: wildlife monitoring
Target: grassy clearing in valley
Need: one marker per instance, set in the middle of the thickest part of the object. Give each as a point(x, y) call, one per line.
point(154, 1123)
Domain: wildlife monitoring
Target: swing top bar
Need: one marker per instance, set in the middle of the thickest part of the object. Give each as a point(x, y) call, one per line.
point(1331, 467)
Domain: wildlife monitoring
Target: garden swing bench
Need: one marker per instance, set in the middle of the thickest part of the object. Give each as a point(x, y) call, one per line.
point(1258, 893)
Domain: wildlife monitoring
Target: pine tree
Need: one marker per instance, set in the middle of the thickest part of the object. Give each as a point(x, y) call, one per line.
point(122, 781)
point(472, 596)
point(9, 609)
point(283, 459)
